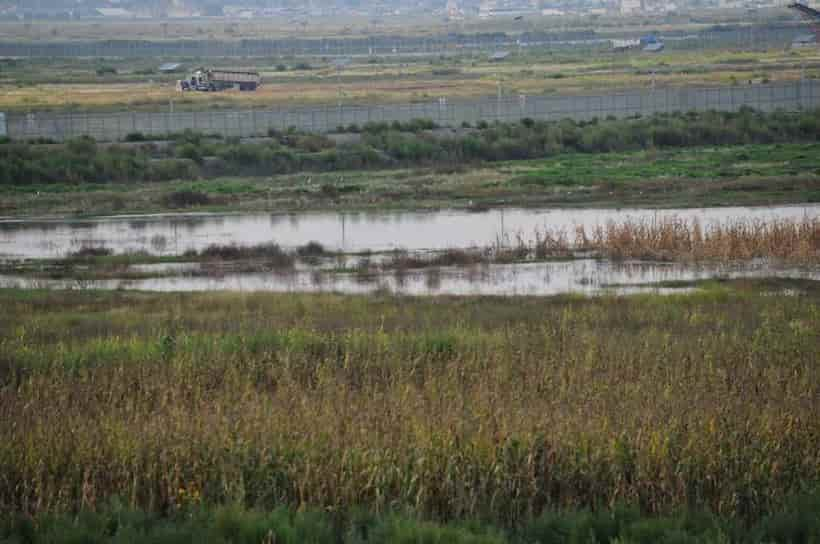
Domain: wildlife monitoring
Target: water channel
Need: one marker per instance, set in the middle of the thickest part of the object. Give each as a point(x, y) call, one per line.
point(350, 232)
point(356, 232)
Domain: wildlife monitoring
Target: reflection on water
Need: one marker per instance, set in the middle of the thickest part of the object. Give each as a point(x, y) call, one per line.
point(533, 279)
point(378, 231)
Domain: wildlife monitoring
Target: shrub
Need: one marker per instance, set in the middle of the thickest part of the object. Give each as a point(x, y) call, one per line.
point(91, 252)
point(106, 70)
point(135, 137)
point(395, 143)
point(270, 253)
point(170, 169)
point(186, 199)
point(311, 249)
point(84, 146)
point(190, 151)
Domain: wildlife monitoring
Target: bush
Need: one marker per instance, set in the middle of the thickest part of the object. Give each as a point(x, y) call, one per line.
point(311, 249)
point(106, 70)
point(84, 146)
point(389, 144)
point(190, 151)
point(170, 169)
point(91, 252)
point(135, 137)
point(271, 253)
point(186, 199)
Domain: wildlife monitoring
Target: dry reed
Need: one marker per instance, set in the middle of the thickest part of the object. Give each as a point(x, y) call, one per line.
point(453, 409)
point(795, 241)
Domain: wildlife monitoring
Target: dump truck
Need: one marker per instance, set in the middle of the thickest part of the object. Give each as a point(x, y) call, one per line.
point(212, 80)
point(811, 15)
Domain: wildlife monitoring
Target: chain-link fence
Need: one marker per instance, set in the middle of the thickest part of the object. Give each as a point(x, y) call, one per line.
point(745, 36)
point(787, 96)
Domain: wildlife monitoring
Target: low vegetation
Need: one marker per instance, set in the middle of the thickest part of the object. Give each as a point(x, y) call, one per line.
point(123, 525)
point(749, 175)
point(192, 156)
point(498, 411)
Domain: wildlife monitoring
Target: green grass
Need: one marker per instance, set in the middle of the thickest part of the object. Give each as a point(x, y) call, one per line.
point(702, 163)
point(739, 175)
point(799, 522)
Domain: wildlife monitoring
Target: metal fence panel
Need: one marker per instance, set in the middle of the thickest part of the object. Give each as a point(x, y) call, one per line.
point(788, 96)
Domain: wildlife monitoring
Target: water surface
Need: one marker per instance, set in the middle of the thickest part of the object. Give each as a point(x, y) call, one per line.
point(585, 276)
point(378, 231)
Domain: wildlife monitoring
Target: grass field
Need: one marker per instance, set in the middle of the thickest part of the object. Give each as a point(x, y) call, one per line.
point(75, 85)
point(734, 175)
point(448, 409)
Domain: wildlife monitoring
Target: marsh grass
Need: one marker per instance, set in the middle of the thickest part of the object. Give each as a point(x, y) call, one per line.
point(672, 238)
point(452, 409)
point(787, 240)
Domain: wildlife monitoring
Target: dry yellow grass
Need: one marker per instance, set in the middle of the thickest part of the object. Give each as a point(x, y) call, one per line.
point(75, 86)
point(327, 91)
point(673, 238)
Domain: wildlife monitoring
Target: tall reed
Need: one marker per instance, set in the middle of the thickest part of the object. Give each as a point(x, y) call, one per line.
point(489, 409)
point(674, 238)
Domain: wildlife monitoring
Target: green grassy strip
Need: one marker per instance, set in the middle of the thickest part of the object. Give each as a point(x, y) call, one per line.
point(713, 163)
point(384, 145)
point(190, 521)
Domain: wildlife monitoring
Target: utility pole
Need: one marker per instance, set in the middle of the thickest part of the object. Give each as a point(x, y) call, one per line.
point(498, 102)
point(339, 90)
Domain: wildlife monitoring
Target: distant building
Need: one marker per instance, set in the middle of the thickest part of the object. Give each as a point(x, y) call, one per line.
point(629, 7)
point(170, 67)
point(116, 13)
point(454, 11)
point(485, 11)
point(508, 8)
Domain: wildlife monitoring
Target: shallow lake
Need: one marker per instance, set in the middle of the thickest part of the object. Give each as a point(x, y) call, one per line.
point(377, 231)
point(586, 276)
